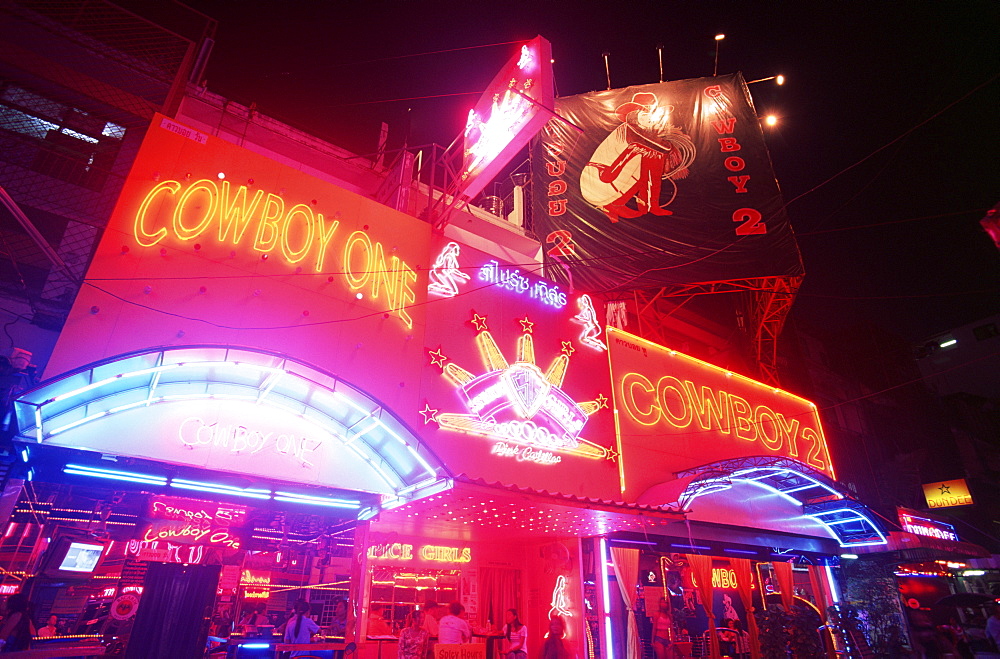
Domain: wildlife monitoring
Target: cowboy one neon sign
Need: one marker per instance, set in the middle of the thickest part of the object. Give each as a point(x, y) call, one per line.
point(194, 432)
point(204, 210)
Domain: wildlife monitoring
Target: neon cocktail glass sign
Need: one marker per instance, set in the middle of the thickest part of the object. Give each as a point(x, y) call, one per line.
point(519, 406)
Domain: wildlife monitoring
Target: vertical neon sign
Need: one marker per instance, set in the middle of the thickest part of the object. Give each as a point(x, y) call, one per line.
point(606, 600)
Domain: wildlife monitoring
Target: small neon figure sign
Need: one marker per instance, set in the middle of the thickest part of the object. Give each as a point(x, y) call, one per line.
point(591, 327)
point(446, 274)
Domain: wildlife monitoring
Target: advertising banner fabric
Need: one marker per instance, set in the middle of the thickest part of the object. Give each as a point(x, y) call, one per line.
point(660, 184)
point(676, 412)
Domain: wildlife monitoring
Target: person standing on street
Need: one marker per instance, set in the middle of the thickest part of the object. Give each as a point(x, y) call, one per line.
point(993, 628)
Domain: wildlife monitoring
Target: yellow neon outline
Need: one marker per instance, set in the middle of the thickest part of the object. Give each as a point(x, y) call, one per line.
point(665, 411)
point(269, 223)
point(813, 412)
point(233, 216)
point(201, 185)
point(632, 379)
point(138, 229)
point(291, 255)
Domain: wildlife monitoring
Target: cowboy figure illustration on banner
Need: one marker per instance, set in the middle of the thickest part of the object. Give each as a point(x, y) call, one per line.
point(635, 158)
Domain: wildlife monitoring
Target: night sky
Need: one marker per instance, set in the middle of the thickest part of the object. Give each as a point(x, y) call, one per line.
point(904, 96)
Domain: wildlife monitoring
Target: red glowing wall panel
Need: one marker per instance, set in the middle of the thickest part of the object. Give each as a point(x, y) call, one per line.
point(213, 244)
point(514, 380)
point(676, 412)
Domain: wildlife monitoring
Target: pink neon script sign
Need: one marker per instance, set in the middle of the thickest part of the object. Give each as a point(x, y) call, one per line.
point(508, 114)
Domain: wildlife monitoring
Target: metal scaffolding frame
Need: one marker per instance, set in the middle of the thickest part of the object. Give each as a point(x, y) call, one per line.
point(767, 301)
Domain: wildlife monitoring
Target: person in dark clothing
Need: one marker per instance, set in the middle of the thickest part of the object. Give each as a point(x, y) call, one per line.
point(17, 628)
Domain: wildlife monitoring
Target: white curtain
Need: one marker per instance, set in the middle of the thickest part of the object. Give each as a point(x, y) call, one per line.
point(626, 562)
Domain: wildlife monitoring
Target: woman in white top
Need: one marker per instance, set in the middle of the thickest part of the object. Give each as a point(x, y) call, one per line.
point(516, 635)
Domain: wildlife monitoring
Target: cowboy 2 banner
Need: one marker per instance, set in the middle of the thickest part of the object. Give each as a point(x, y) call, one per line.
point(660, 184)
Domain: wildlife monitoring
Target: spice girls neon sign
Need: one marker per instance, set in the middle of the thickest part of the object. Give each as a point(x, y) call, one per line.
point(511, 279)
point(520, 407)
point(401, 551)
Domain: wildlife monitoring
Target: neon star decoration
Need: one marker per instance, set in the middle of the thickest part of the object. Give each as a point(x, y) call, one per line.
point(445, 274)
point(591, 328)
point(437, 357)
point(479, 322)
point(526, 325)
point(429, 413)
point(520, 407)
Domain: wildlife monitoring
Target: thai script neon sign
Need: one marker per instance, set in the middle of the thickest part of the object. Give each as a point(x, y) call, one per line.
point(206, 210)
point(398, 551)
point(165, 552)
point(512, 280)
point(194, 432)
point(447, 276)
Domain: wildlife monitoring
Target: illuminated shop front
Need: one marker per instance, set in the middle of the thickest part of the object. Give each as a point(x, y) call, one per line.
point(311, 395)
point(271, 396)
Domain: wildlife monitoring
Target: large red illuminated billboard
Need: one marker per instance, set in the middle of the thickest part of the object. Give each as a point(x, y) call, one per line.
point(667, 183)
point(212, 244)
point(676, 412)
point(515, 379)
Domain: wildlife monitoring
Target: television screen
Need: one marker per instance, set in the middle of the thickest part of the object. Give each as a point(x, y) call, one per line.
point(81, 557)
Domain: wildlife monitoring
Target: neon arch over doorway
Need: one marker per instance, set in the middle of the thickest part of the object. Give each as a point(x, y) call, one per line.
point(342, 423)
point(818, 497)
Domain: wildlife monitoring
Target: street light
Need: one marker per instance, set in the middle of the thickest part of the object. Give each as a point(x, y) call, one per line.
point(778, 80)
point(718, 38)
point(771, 120)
